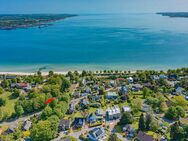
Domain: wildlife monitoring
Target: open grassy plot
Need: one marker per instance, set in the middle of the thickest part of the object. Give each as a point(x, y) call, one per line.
point(10, 102)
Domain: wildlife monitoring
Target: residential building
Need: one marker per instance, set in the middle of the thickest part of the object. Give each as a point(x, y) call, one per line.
point(136, 87)
point(111, 95)
point(99, 112)
point(27, 125)
point(123, 90)
point(130, 80)
point(141, 136)
point(97, 134)
point(126, 109)
point(71, 108)
point(113, 113)
point(79, 122)
point(64, 125)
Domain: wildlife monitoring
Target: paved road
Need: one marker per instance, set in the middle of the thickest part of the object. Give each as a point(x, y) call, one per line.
point(121, 137)
point(27, 117)
point(74, 134)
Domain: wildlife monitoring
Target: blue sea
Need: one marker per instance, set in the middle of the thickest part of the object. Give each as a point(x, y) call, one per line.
point(98, 42)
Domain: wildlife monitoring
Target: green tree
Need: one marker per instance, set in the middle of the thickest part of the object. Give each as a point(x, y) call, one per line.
point(43, 131)
point(2, 102)
point(171, 113)
point(136, 105)
point(5, 83)
point(176, 132)
point(126, 118)
point(145, 92)
point(55, 92)
point(51, 73)
point(163, 107)
point(148, 121)
point(16, 93)
point(101, 91)
point(19, 110)
point(65, 85)
point(84, 73)
point(53, 104)
point(180, 111)
point(46, 113)
point(141, 124)
point(113, 137)
point(1, 90)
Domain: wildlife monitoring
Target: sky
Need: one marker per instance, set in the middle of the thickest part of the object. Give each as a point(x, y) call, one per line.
point(91, 6)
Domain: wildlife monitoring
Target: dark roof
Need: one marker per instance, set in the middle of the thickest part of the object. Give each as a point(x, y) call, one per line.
point(144, 137)
point(65, 122)
point(65, 139)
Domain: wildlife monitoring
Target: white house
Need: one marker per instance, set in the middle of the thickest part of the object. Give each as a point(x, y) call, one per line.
point(113, 113)
point(130, 80)
point(126, 109)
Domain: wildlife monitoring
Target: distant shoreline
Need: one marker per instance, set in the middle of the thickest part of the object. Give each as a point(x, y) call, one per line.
point(15, 21)
point(174, 14)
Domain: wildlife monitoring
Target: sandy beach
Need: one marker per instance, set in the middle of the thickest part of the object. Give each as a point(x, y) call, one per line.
point(30, 73)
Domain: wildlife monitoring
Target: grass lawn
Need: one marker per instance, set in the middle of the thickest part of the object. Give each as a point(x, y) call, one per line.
point(123, 104)
point(153, 134)
point(72, 116)
point(135, 124)
point(92, 110)
point(118, 129)
point(9, 107)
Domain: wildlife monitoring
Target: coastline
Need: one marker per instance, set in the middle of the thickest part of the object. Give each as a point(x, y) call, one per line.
point(30, 73)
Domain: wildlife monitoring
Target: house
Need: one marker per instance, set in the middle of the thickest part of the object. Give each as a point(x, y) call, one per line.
point(71, 108)
point(65, 139)
point(64, 125)
point(113, 113)
point(126, 109)
point(111, 95)
point(130, 80)
point(96, 87)
point(88, 90)
point(84, 102)
point(149, 85)
point(173, 77)
point(163, 76)
point(99, 112)
point(146, 108)
point(76, 94)
point(12, 128)
point(92, 118)
point(154, 77)
point(123, 90)
point(96, 98)
point(24, 86)
point(112, 83)
point(136, 87)
point(79, 122)
point(27, 125)
point(141, 136)
point(83, 81)
point(178, 91)
point(10, 76)
point(120, 81)
point(129, 131)
point(186, 97)
point(84, 94)
point(97, 134)
point(90, 82)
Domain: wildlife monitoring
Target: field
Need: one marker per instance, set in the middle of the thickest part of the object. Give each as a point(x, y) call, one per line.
point(9, 107)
